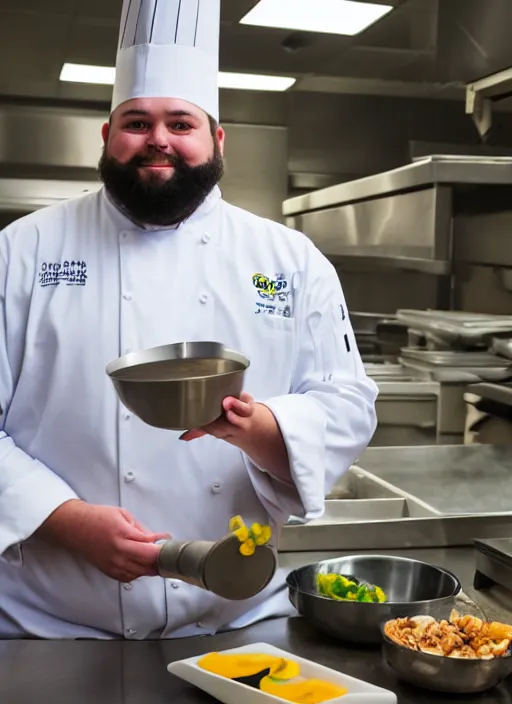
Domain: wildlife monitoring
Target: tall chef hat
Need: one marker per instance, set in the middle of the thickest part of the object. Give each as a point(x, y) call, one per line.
point(169, 49)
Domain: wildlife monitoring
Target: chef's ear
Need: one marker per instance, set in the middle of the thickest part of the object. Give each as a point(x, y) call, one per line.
point(105, 131)
point(221, 137)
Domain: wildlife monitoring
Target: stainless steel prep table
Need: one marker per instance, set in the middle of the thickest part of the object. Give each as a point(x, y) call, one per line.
point(127, 672)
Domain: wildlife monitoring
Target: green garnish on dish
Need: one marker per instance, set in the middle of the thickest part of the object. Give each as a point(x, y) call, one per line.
point(338, 587)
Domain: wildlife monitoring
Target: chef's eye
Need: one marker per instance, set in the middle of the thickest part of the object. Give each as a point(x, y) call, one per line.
point(181, 127)
point(137, 125)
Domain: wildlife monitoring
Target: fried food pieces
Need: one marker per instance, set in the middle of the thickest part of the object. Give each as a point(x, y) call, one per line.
point(465, 637)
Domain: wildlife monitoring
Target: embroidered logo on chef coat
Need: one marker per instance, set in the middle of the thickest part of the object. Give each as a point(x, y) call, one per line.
point(68, 272)
point(274, 295)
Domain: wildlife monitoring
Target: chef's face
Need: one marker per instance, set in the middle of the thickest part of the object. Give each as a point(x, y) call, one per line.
point(161, 158)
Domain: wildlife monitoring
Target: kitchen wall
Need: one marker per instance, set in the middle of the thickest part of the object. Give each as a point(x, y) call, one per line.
point(342, 137)
point(278, 144)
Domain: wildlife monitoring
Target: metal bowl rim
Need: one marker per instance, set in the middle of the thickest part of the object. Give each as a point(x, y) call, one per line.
point(458, 584)
point(121, 364)
point(437, 658)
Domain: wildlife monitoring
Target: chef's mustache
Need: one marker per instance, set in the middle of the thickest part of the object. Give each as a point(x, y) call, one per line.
point(158, 158)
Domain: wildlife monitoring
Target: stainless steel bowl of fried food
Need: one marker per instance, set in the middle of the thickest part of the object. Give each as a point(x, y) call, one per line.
point(461, 654)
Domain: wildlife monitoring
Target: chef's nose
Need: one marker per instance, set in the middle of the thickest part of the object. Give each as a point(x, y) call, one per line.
point(159, 137)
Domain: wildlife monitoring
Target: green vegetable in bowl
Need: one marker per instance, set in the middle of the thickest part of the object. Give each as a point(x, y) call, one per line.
point(338, 587)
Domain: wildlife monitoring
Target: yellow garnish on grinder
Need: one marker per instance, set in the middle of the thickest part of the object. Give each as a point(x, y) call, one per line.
point(249, 538)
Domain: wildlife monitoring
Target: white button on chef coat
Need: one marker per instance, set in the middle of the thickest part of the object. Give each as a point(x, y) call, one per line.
point(271, 295)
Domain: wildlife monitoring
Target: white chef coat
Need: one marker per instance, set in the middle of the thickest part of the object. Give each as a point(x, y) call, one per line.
point(81, 284)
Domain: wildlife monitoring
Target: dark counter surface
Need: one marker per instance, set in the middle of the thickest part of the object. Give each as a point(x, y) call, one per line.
point(128, 672)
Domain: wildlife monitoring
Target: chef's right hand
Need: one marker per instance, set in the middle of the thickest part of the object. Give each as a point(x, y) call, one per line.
point(106, 536)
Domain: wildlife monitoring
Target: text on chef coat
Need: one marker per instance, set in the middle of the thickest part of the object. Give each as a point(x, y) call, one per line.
point(68, 272)
point(274, 295)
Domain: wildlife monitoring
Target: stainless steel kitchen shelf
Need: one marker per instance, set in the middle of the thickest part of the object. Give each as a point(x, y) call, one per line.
point(429, 171)
point(364, 261)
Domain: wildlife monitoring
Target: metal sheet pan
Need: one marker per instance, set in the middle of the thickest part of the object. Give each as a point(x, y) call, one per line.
point(448, 358)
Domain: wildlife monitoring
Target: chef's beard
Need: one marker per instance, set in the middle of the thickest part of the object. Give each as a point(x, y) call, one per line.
point(151, 201)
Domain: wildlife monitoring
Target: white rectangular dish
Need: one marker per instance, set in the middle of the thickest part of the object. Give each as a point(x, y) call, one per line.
point(231, 692)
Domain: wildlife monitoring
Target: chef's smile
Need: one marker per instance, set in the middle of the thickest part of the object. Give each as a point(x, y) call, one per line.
point(160, 168)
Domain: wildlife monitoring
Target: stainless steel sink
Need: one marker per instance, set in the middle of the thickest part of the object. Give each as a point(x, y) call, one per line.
point(358, 484)
point(348, 511)
point(366, 512)
point(361, 496)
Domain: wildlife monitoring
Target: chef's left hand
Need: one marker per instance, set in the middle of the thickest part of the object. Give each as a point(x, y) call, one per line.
point(252, 428)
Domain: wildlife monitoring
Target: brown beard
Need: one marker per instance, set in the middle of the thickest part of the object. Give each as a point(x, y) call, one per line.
point(151, 201)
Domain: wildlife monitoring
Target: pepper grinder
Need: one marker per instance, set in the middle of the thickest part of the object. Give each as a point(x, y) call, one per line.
point(218, 567)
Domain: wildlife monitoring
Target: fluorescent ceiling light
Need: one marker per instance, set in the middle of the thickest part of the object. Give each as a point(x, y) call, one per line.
point(251, 81)
point(105, 75)
point(346, 17)
point(81, 73)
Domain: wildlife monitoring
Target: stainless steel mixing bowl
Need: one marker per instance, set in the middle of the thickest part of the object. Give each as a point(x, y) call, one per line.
point(179, 386)
point(412, 587)
point(441, 674)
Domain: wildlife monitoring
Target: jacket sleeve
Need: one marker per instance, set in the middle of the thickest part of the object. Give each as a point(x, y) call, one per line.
point(29, 491)
point(329, 416)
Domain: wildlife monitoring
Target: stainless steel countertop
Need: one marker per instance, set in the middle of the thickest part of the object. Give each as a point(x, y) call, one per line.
point(454, 479)
point(429, 171)
point(127, 672)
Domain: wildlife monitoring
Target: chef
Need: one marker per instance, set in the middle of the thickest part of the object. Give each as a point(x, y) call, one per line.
point(156, 256)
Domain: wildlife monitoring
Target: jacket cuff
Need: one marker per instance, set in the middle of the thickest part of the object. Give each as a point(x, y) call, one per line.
point(303, 426)
point(26, 504)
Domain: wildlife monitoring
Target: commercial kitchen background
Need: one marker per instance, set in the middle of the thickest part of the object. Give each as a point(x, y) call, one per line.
point(434, 236)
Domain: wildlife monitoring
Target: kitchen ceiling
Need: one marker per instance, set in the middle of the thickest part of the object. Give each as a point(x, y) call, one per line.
point(399, 55)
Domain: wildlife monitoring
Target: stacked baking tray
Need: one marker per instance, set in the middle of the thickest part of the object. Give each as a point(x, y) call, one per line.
point(456, 329)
